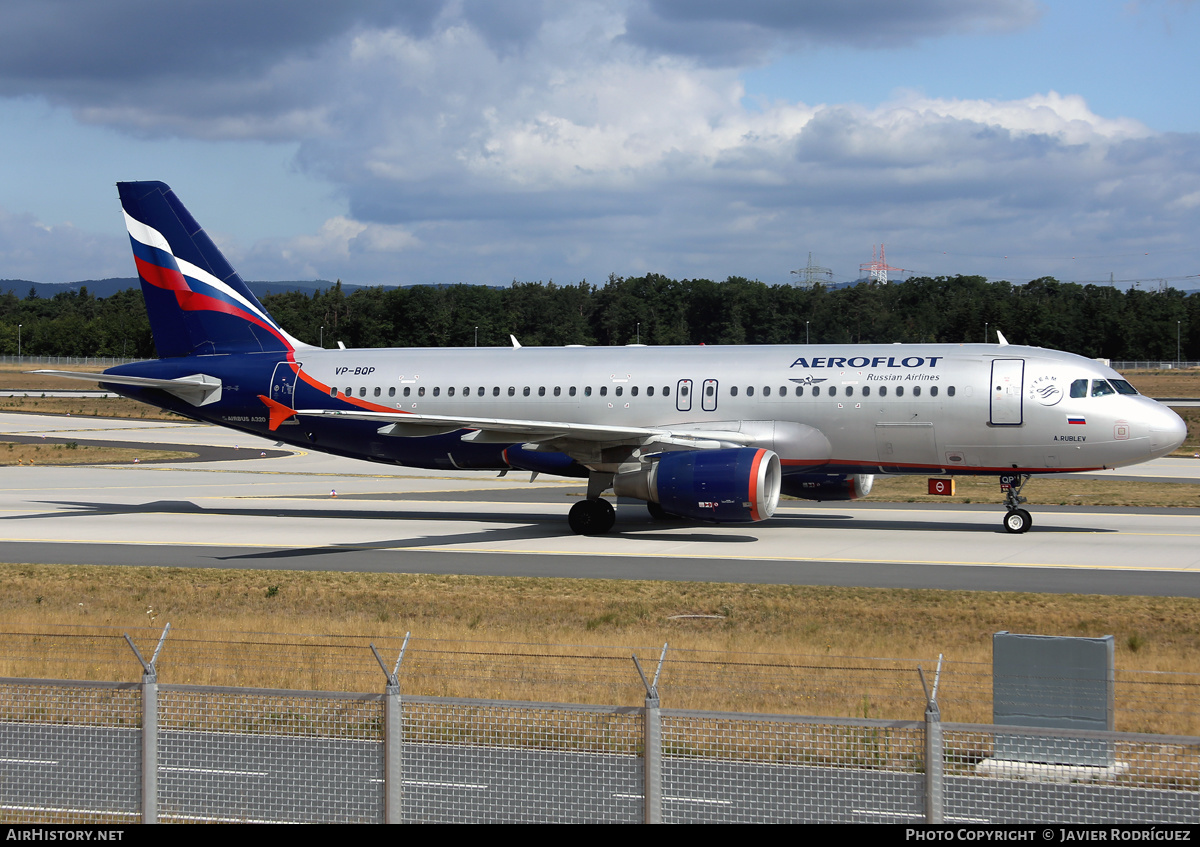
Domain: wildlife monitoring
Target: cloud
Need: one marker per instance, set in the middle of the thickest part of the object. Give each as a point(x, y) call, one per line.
point(30, 249)
point(718, 32)
point(474, 141)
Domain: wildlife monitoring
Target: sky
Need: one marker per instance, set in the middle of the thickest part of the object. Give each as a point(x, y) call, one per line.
point(448, 141)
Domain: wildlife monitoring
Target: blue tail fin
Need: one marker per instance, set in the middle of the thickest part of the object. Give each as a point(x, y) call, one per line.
point(197, 303)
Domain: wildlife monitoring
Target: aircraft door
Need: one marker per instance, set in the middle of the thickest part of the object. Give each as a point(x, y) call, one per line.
point(283, 384)
point(708, 399)
point(1006, 392)
point(683, 395)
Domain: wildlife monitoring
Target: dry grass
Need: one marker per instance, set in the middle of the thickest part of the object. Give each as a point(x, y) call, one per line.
point(733, 647)
point(1041, 492)
point(77, 454)
point(1166, 383)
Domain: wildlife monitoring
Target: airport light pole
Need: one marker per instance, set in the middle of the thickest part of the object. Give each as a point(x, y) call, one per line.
point(806, 332)
point(476, 336)
point(1178, 347)
point(18, 343)
point(322, 338)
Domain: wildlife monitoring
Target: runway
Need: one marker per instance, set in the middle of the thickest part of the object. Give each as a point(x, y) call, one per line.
point(279, 512)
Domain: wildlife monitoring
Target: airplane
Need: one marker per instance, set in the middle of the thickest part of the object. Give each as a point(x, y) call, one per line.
point(708, 433)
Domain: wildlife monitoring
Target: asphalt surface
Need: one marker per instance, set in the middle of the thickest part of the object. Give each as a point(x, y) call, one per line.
point(236, 508)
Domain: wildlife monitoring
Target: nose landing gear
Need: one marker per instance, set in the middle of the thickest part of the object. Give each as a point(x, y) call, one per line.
point(1016, 519)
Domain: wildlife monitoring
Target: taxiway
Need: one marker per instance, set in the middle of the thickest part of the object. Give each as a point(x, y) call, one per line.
point(241, 509)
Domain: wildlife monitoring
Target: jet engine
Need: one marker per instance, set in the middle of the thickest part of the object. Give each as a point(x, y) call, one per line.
point(734, 485)
point(820, 486)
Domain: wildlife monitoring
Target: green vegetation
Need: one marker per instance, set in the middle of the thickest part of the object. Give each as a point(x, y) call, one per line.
point(1089, 320)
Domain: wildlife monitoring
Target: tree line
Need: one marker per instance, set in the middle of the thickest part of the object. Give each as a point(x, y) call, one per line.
point(1091, 320)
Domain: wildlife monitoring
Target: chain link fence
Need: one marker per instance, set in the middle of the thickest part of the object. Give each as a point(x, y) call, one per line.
point(100, 751)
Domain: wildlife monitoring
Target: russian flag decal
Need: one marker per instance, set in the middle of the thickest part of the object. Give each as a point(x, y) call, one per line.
point(1076, 419)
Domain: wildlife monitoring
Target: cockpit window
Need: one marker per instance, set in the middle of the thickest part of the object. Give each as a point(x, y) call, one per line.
point(1079, 388)
point(1100, 387)
point(1122, 386)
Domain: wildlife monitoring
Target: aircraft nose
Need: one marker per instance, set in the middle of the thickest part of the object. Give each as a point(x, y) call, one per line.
point(1167, 431)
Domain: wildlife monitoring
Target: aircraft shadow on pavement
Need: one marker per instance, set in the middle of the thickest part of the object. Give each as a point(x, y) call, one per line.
point(522, 526)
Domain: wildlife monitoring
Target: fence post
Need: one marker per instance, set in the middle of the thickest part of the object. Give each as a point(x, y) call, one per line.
point(149, 728)
point(393, 740)
point(934, 760)
point(652, 745)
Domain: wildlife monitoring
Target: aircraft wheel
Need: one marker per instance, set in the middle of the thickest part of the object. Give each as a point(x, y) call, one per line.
point(592, 517)
point(1018, 521)
point(659, 513)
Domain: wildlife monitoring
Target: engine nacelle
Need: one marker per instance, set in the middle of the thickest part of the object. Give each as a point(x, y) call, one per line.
point(820, 486)
point(735, 485)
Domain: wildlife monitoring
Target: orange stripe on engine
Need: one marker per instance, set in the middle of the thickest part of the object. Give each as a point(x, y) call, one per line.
point(758, 457)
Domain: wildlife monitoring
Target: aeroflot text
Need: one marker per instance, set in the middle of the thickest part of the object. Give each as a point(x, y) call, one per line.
point(864, 362)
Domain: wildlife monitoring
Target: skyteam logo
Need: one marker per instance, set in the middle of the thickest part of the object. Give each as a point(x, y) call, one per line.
point(1046, 390)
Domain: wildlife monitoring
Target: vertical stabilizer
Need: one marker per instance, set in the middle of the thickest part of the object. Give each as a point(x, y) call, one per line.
point(197, 303)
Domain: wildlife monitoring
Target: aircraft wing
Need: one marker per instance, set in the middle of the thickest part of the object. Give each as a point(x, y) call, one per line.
point(197, 389)
point(507, 431)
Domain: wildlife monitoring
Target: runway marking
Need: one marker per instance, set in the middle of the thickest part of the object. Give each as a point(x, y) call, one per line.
point(221, 771)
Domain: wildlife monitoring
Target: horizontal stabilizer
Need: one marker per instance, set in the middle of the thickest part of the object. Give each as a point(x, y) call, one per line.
point(196, 389)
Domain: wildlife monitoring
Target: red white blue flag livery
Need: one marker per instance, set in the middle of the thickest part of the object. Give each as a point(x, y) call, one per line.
point(197, 303)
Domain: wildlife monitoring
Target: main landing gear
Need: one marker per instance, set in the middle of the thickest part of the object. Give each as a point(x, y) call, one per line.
point(1016, 519)
point(594, 516)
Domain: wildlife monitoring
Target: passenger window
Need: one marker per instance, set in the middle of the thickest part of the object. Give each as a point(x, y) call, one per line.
point(899, 390)
point(333, 392)
point(950, 391)
point(495, 391)
point(866, 391)
point(916, 391)
point(766, 391)
point(620, 390)
point(1079, 388)
point(349, 391)
point(407, 390)
point(708, 391)
point(1100, 388)
point(883, 391)
point(557, 391)
point(799, 390)
point(849, 390)
point(377, 391)
point(421, 391)
point(666, 391)
point(933, 391)
point(649, 390)
point(604, 391)
point(450, 391)
point(392, 391)
point(733, 391)
point(587, 391)
point(436, 391)
point(750, 391)
point(683, 390)
point(633, 391)
point(362, 392)
point(783, 391)
point(525, 391)
point(541, 391)
point(572, 391)
point(512, 391)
